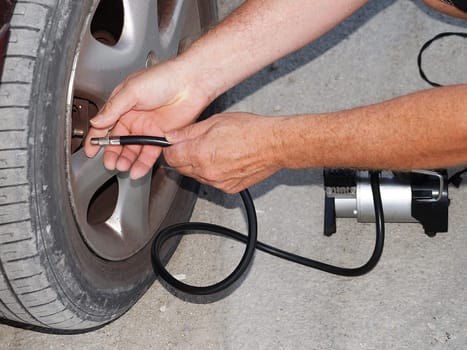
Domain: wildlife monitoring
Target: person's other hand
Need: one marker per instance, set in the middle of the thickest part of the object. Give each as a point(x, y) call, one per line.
point(230, 151)
point(150, 102)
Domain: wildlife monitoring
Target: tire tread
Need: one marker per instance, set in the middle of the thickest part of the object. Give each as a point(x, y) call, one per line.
point(26, 294)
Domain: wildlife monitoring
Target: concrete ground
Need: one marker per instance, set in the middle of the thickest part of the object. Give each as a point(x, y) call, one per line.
point(415, 298)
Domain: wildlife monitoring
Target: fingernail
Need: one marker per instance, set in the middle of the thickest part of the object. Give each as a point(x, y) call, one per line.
point(98, 119)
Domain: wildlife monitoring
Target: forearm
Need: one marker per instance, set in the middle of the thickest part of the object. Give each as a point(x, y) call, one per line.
point(427, 129)
point(257, 34)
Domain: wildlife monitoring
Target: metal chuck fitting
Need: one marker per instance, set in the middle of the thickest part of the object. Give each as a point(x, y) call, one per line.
point(104, 141)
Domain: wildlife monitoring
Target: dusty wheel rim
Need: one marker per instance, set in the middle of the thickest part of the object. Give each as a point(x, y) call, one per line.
point(118, 216)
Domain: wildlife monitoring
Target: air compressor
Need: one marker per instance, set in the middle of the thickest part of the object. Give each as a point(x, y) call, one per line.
point(418, 196)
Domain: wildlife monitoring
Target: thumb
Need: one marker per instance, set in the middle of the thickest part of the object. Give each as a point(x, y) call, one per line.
point(187, 133)
point(117, 105)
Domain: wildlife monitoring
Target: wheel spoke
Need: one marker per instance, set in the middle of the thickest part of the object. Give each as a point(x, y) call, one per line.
point(87, 176)
point(179, 25)
point(130, 217)
point(102, 67)
point(141, 28)
point(127, 229)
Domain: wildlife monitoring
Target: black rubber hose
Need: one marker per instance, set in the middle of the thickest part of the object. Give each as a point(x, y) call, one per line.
point(343, 271)
point(190, 227)
point(144, 140)
point(252, 243)
point(425, 46)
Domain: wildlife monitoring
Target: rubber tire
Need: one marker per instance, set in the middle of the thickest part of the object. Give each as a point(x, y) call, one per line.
point(49, 278)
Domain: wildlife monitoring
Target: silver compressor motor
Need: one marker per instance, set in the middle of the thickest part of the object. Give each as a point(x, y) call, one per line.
point(408, 197)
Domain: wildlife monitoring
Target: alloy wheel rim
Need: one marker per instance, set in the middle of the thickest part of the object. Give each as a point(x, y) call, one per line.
point(118, 216)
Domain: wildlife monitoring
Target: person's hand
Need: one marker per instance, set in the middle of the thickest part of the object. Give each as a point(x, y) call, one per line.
point(150, 102)
point(230, 151)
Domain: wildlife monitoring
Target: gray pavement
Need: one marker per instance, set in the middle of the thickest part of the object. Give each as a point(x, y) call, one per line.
point(414, 299)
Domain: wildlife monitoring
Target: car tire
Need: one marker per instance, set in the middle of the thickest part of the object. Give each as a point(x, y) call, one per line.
point(54, 274)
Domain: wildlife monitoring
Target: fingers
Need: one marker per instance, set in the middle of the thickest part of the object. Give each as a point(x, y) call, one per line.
point(145, 161)
point(189, 132)
point(229, 185)
point(91, 150)
point(112, 154)
point(134, 158)
point(179, 155)
point(146, 155)
point(118, 104)
point(184, 150)
point(224, 152)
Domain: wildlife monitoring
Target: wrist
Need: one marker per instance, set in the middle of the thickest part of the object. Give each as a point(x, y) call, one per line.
point(281, 141)
point(198, 74)
point(297, 141)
